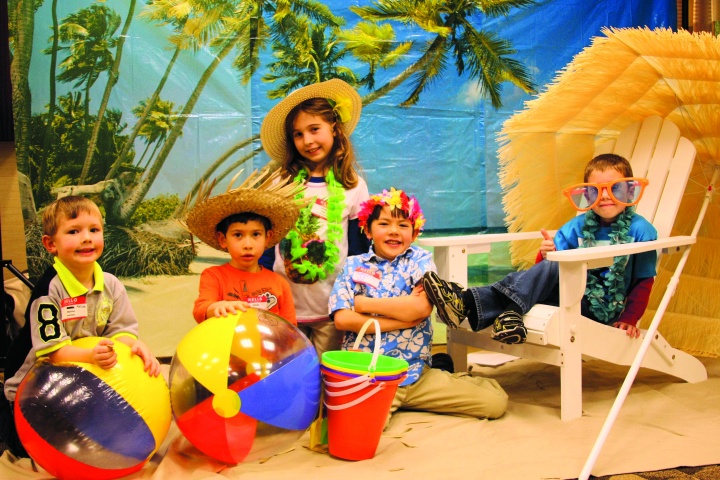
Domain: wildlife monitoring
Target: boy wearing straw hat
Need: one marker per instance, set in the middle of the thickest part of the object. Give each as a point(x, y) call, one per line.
point(244, 222)
point(386, 284)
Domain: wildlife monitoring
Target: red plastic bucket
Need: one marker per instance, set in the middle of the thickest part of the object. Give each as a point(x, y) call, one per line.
point(357, 410)
point(358, 402)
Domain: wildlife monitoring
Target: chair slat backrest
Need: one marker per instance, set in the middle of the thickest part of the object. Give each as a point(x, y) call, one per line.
point(657, 152)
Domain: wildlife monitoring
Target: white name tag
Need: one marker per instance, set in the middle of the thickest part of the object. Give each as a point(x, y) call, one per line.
point(261, 303)
point(367, 277)
point(73, 308)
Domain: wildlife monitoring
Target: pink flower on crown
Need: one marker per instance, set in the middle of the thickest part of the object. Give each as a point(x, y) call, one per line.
point(393, 199)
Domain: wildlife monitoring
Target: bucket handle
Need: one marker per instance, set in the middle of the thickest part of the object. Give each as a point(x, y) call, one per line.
point(347, 391)
point(364, 379)
point(376, 349)
point(378, 386)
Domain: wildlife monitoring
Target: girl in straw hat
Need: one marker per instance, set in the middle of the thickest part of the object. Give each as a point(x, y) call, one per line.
point(308, 134)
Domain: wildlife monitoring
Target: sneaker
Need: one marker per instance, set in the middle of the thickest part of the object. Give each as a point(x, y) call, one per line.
point(509, 328)
point(443, 361)
point(446, 297)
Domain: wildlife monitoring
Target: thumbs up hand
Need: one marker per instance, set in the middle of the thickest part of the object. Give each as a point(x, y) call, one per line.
point(547, 244)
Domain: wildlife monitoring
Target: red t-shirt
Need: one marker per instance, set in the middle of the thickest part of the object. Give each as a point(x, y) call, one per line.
point(264, 290)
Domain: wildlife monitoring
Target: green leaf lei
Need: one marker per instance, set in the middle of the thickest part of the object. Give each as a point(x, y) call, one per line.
point(607, 296)
point(336, 205)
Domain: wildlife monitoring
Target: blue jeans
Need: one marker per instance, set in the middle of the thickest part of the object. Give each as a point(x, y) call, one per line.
point(539, 284)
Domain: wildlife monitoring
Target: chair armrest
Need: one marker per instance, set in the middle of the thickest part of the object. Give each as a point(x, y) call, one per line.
point(479, 243)
point(602, 256)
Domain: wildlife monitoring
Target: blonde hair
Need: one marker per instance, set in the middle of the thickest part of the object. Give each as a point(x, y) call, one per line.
point(608, 161)
point(342, 156)
point(66, 208)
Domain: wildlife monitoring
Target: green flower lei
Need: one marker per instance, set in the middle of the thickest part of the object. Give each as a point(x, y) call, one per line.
point(336, 205)
point(607, 296)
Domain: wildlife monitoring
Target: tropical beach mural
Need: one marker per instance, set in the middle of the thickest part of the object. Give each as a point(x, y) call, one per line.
point(138, 104)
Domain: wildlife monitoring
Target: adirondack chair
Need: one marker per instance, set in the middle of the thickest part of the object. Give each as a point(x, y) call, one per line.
point(561, 336)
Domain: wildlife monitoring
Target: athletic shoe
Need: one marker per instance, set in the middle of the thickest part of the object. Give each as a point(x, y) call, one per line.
point(509, 328)
point(446, 297)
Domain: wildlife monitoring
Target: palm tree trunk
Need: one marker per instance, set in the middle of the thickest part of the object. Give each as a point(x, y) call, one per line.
point(138, 125)
point(138, 193)
point(113, 75)
point(48, 143)
point(23, 14)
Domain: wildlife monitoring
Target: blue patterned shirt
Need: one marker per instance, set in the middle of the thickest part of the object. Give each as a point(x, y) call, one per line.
point(397, 278)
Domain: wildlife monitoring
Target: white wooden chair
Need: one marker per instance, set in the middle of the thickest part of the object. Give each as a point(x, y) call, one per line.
point(560, 335)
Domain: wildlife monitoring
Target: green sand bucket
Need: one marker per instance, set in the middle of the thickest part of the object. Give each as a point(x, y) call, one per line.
point(363, 363)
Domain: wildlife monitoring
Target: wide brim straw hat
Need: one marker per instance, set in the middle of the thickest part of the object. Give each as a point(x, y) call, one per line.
point(272, 131)
point(263, 193)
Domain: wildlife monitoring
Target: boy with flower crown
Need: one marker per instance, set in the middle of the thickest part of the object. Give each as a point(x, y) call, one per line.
point(615, 296)
point(385, 284)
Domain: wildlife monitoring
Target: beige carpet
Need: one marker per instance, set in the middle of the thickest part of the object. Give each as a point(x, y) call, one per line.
point(665, 424)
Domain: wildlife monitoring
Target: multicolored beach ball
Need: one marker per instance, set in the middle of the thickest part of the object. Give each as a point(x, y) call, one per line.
point(245, 386)
point(79, 421)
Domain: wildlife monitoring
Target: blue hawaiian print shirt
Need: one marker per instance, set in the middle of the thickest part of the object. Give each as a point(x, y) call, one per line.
point(397, 278)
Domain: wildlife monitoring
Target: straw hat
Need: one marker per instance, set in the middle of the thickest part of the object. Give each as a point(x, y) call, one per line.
point(272, 131)
point(265, 194)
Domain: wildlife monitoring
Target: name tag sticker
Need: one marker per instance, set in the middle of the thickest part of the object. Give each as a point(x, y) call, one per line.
point(261, 303)
point(319, 208)
point(73, 308)
point(367, 277)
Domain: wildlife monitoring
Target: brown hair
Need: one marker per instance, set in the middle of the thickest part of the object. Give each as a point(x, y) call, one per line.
point(66, 207)
point(342, 155)
point(608, 161)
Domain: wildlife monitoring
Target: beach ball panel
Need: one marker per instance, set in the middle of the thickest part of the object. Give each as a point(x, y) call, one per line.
point(288, 397)
point(147, 395)
point(60, 465)
point(226, 439)
point(205, 353)
point(74, 403)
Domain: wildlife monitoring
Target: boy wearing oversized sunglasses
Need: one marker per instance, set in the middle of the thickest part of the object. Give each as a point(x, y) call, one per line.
point(616, 296)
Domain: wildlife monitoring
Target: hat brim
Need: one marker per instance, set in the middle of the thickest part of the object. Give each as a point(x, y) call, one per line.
point(272, 130)
point(202, 220)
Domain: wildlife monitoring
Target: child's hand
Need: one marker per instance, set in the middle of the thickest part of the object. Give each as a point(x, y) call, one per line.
point(547, 244)
point(631, 330)
point(225, 308)
point(152, 366)
point(103, 354)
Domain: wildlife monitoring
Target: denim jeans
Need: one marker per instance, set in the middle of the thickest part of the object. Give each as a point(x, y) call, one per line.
point(539, 284)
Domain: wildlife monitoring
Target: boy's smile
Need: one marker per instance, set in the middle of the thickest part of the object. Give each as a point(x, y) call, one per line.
point(391, 236)
point(245, 242)
point(606, 208)
point(78, 242)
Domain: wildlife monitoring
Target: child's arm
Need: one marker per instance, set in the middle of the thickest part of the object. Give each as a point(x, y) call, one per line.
point(408, 308)
point(223, 308)
point(152, 365)
point(353, 321)
point(101, 354)
point(637, 302)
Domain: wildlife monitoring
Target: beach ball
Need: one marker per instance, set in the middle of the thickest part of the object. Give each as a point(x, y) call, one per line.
point(245, 386)
point(79, 421)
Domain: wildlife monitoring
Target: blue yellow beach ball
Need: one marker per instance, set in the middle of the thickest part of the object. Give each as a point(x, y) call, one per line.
point(245, 386)
point(79, 421)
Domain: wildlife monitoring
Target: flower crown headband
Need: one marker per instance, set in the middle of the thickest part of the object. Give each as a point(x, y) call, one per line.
point(393, 199)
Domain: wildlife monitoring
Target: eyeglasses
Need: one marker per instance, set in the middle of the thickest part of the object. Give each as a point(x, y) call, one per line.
point(625, 191)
